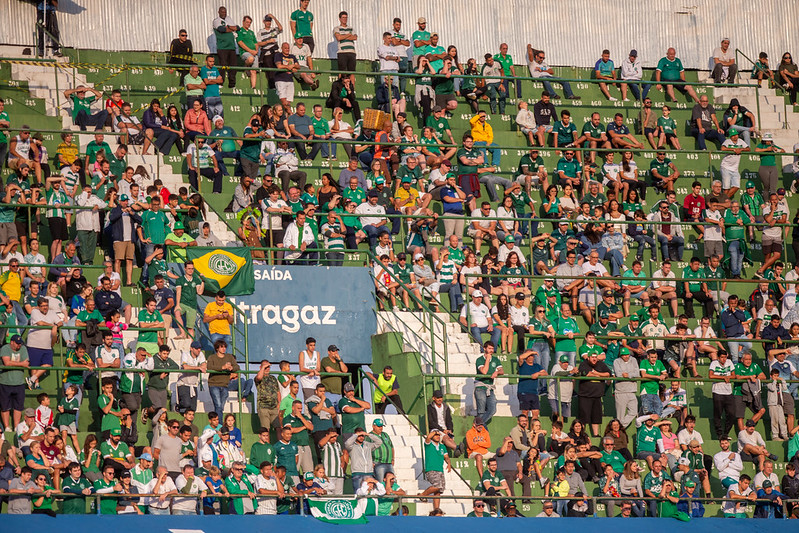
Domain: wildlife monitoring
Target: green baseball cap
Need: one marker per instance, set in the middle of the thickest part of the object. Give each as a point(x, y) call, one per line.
point(116, 432)
point(308, 476)
point(689, 483)
point(731, 132)
point(624, 351)
point(407, 179)
point(380, 180)
point(564, 359)
point(178, 225)
point(750, 184)
point(509, 238)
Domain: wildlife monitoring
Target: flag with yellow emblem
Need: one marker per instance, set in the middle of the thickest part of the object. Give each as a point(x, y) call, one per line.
point(228, 269)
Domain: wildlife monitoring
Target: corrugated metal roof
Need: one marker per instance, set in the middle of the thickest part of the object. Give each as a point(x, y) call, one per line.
point(573, 32)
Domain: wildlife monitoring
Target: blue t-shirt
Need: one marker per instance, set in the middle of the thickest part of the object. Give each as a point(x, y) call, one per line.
point(162, 297)
point(451, 207)
point(605, 68)
point(217, 485)
point(301, 123)
point(619, 130)
point(211, 91)
point(527, 385)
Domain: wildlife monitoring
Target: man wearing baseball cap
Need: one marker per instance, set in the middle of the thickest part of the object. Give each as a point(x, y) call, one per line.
point(194, 361)
point(179, 240)
point(12, 382)
point(476, 317)
point(421, 40)
point(123, 220)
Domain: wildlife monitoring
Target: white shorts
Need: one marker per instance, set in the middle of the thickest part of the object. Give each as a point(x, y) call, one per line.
point(285, 90)
point(730, 179)
point(245, 56)
point(521, 179)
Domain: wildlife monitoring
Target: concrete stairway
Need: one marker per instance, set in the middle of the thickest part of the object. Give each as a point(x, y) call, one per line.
point(409, 466)
point(42, 84)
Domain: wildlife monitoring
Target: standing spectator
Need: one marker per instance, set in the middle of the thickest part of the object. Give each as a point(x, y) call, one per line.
point(632, 72)
point(724, 63)
point(40, 341)
point(267, 45)
point(386, 391)
point(540, 70)
point(81, 107)
point(268, 390)
point(591, 392)
point(88, 223)
point(12, 381)
point(735, 223)
point(248, 46)
point(194, 363)
point(383, 456)
point(505, 59)
point(769, 171)
point(194, 87)
point(218, 314)
point(668, 69)
point(705, 125)
point(626, 392)
point(287, 64)
point(487, 368)
point(721, 371)
point(123, 222)
point(225, 377)
point(345, 37)
point(69, 150)
point(360, 447)
point(730, 175)
point(224, 31)
point(213, 80)
point(302, 24)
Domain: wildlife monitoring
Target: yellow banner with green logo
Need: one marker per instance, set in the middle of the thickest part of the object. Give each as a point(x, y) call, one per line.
point(228, 269)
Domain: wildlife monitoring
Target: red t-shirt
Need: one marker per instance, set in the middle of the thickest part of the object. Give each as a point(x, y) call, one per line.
point(694, 205)
point(50, 451)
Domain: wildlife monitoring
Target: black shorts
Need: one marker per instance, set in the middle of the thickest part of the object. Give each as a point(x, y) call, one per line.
point(58, 228)
point(590, 411)
point(529, 402)
point(647, 131)
point(12, 398)
point(443, 99)
point(22, 227)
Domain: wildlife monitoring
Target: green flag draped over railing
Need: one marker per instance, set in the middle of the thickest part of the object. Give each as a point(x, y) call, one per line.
point(228, 269)
point(339, 511)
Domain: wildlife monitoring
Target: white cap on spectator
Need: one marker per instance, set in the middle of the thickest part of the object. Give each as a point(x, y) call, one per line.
point(417, 257)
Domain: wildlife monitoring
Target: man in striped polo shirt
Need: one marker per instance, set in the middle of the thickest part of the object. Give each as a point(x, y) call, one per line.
point(383, 456)
point(332, 459)
point(345, 37)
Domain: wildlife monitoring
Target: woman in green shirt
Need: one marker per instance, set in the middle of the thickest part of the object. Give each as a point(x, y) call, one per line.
point(90, 458)
point(632, 204)
point(551, 205)
point(43, 504)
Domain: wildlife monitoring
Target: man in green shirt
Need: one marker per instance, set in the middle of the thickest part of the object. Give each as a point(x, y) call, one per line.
point(438, 121)
point(568, 171)
point(593, 135)
point(288, 400)
point(505, 59)
point(590, 347)
point(769, 172)
point(187, 287)
point(383, 455)
point(12, 382)
point(149, 318)
point(532, 171)
point(106, 485)
point(302, 24)
point(420, 39)
point(286, 452)
point(179, 240)
point(564, 132)
point(115, 452)
point(224, 31)
point(352, 411)
point(262, 450)
point(248, 47)
point(663, 172)
point(670, 68)
point(77, 485)
point(435, 456)
point(735, 224)
point(693, 290)
point(653, 369)
point(300, 435)
point(752, 372)
point(487, 367)
point(493, 483)
point(153, 230)
point(81, 108)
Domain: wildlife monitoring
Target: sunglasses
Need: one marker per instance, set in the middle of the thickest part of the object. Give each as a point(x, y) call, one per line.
point(480, 505)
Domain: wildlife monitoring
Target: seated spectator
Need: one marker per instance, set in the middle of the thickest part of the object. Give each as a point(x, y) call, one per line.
point(129, 126)
point(342, 97)
point(81, 107)
point(704, 124)
point(724, 65)
point(156, 133)
point(752, 448)
point(632, 72)
point(224, 148)
point(591, 136)
point(668, 69)
point(302, 51)
point(540, 70)
point(196, 122)
point(619, 134)
point(604, 69)
point(663, 172)
point(525, 120)
point(739, 119)
point(483, 135)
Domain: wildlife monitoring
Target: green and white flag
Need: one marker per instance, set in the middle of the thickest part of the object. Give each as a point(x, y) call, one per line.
point(339, 511)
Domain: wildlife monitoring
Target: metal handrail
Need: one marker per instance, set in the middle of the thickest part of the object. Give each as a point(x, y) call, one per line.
point(757, 90)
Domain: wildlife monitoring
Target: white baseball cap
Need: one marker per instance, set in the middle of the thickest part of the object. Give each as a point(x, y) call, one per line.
point(477, 294)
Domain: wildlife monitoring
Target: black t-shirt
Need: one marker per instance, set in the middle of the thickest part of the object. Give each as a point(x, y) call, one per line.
point(543, 113)
point(592, 389)
point(288, 59)
point(73, 286)
point(705, 114)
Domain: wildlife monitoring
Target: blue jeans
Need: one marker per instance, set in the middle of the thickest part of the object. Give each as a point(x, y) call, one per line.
point(543, 359)
point(455, 297)
point(373, 232)
point(639, 93)
point(219, 395)
point(650, 403)
point(644, 241)
point(744, 132)
point(738, 346)
point(677, 244)
point(492, 181)
point(155, 510)
point(736, 257)
point(180, 512)
point(381, 469)
point(485, 403)
point(495, 152)
point(358, 478)
point(227, 338)
point(517, 237)
point(567, 89)
point(213, 105)
point(524, 224)
point(709, 135)
point(616, 260)
point(146, 250)
point(97, 120)
point(477, 335)
point(572, 356)
point(220, 157)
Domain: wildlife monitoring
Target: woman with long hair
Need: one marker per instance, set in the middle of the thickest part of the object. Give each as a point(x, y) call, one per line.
point(501, 315)
point(327, 191)
point(91, 458)
point(789, 76)
point(488, 265)
point(471, 283)
point(514, 273)
point(621, 442)
point(630, 486)
point(628, 171)
point(508, 227)
point(632, 204)
point(551, 207)
point(569, 203)
point(175, 124)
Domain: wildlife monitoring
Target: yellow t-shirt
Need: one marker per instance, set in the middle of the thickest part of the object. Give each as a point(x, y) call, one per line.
point(411, 194)
point(560, 488)
point(219, 326)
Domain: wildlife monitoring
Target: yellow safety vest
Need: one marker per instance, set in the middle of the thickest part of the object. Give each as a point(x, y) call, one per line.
point(384, 386)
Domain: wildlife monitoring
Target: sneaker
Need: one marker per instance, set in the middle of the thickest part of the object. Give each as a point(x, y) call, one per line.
point(29, 382)
point(458, 450)
point(573, 97)
point(772, 456)
point(543, 481)
point(315, 85)
point(626, 100)
point(758, 275)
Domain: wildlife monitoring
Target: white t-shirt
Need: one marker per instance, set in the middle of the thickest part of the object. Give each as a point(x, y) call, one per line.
point(598, 269)
point(504, 252)
point(167, 486)
point(301, 53)
point(41, 338)
point(386, 50)
point(712, 231)
point(684, 437)
point(719, 54)
point(190, 379)
point(478, 314)
point(519, 316)
point(720, 387)
point(197, 487)
point(484, 221)
point(732, 160)
point(736, 506)
point(745, 438)
point(272, 221)
point(776, 231)
point(709, 333)
point(377, 212)
point(660, 274)
point(266, 504)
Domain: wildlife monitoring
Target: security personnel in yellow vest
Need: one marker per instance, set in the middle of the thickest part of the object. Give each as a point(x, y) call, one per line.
point(386, 391)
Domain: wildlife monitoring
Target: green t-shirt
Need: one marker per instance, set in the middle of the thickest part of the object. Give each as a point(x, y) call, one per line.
point(595, 132)
point(439, 125)
point(155, 226)
point(569, 168)
point(250, 148)
point(188, 79)
point(468, 154)
point(247, 38)
point(434, 455)
point(320, 126)
point(303, 19)
point(614, 459)
point(70, 405)
point(356, 195)
point(651, 387)
point(648, 438)
point(188, 289)
point(733, 231)
point(688, 273)
point(3, 137)
point(767, 159)
point(655, 483)
point(286, 455)
point(755, 203)
point(92, 148)
point(585, 351)
point(351, 421)
point(668, 125)
point(301, 438)
point(145, 316)
point(107, 505)
point(494, 480)
point(420, 36)
point(662, 167)
point(531, 165)
point(629, 278)
point(565, 132)
point(177, 254)
point(742, 371)
point(13, 377)
point(109, 421)
point(260, 452)
point(670, 69)
point(82, 104)
point(228, 145)
point(564, 326)
point(492, 366)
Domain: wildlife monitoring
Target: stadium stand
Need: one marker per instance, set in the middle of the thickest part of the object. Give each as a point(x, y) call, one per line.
point(584, 292)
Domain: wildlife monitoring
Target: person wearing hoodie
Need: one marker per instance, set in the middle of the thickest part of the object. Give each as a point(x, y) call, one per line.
point(740, 119)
